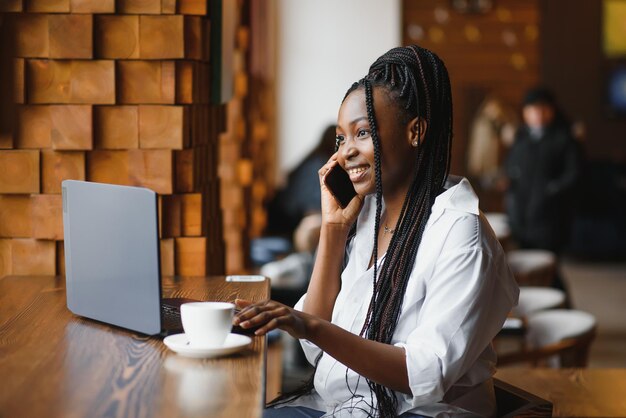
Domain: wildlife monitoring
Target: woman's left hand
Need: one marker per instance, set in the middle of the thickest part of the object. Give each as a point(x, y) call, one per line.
point(268, 315)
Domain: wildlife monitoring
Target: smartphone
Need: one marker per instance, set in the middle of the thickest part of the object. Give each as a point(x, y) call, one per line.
point(339, 185)
point(245, 331)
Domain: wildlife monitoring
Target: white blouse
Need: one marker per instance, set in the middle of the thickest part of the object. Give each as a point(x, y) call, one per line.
point(458, 296)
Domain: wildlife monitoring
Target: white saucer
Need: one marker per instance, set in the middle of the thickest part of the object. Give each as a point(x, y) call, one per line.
point(180, 344)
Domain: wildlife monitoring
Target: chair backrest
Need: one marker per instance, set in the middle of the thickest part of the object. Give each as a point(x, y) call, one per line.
point(537, 298)
point(572, 352)
point(532, 267)
point(499, 223)
point(561, 334)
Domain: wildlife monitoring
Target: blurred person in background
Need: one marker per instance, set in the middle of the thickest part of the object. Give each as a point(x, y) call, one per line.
point(492, 133)
point(286, 253)
point(543, 167)
point(301, 195)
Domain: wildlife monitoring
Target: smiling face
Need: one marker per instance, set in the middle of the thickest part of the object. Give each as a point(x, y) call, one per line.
point(356, 148)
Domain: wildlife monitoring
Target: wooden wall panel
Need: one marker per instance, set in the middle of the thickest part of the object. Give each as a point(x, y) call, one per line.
point(191, 214)
point(60, 258)
point(186, 84)
point(167, 257)
point(6, 256)
point(33, 257)
point(15, 219)
point(185, 171)
point(70, 36)
point(195, 39)
point(191, 256)
point(34, 127)
point(114, 91)
point(492, 54)
point(57, 166)
point(11, 6)
point(58, 81)
point(59, 127)
point(163, 127)
point(72, 127)
point(245, 172)
point(19, 90)
point(168, 7)
point(6, 140)
point(170, 216)
point(108, 167)
point(193, 7)
point(117, 36)
point(144, 168)
point(47, 216)
point(92, 6)
point(31, 36)
point(161, 37)
point(19, 171)
point(146, 82)
point(232, 191)
point(152, 169)
point(48, 6)
point(116, 127)
point(139, 6)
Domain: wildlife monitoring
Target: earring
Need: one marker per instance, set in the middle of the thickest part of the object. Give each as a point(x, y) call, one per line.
point(415, 143)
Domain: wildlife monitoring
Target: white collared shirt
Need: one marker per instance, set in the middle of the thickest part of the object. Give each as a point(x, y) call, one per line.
point(458, 296)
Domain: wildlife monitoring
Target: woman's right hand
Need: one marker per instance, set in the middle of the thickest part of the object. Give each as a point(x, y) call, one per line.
point(332, 213)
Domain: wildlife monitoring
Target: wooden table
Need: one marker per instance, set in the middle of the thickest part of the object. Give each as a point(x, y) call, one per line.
point(574, 392)
point(55, 364)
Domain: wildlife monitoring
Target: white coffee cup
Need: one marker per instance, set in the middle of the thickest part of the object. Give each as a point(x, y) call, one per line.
point(207, 324)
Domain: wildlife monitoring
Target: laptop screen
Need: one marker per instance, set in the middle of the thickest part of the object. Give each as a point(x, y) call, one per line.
point(112, 254)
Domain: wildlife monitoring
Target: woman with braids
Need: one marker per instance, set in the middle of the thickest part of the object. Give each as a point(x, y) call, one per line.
point(410, 284)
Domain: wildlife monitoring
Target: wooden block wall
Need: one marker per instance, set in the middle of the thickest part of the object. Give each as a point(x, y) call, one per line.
point(234, 152)
point(261, 141)
point(261, 111)
point(117, 91)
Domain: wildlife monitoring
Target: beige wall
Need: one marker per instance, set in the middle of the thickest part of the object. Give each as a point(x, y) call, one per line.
point(323, 47)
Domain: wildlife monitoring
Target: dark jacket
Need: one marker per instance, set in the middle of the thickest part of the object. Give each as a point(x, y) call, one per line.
point(543, 174)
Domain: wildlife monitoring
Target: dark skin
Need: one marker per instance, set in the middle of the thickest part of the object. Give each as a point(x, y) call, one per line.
point(379, 362)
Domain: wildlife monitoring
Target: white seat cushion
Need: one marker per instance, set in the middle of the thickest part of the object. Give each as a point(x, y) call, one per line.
point(554, 325)
point(536, 298)
point(527, 261)
point(499, 223)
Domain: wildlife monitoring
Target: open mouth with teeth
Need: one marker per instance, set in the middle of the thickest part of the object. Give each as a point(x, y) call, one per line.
point(357, 173)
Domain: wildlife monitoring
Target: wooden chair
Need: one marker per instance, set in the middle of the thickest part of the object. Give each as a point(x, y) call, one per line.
point(538, 298)
point(532, 267)
point(555, 338)
point(500, 224)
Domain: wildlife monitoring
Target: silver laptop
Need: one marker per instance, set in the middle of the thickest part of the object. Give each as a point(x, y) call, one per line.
point(112, 257)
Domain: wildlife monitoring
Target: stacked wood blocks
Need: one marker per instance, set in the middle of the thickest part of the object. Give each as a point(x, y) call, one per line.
point(114, 92)
point(245, 166)
point(235, 181)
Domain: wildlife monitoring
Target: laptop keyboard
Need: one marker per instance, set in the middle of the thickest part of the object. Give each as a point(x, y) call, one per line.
point(170, 317)
point(170, 313)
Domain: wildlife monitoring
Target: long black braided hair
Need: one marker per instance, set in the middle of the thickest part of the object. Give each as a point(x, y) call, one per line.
point(417, 81)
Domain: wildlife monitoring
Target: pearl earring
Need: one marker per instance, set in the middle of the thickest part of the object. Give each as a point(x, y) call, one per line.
point(414, 143)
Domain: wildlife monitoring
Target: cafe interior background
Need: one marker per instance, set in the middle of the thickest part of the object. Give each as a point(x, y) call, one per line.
point(213, 117)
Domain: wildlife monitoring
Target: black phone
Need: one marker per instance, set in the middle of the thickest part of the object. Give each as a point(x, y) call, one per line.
point(245, 331)
point(339, 185)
